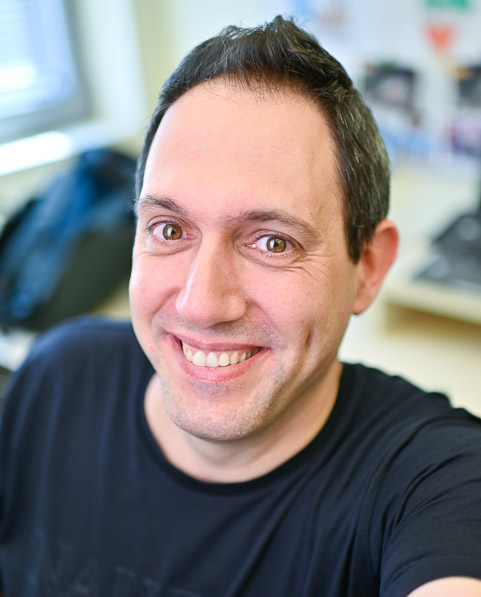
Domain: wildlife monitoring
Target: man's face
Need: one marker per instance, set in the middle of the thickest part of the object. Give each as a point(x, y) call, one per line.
point(241, 286)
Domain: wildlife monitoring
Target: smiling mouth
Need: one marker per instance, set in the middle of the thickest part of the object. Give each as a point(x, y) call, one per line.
point(200, 358)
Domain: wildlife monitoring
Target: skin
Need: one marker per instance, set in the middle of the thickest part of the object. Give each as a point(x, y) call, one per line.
point(455, 586)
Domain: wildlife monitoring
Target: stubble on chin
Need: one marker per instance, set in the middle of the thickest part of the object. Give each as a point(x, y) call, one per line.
point(209, 414)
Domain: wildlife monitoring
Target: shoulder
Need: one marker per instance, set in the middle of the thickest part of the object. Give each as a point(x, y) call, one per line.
point(424, 454)
point(73, 375)
point(79, 334)
point(373, 384)
point(410, 438)
point(415, 430)
point(82, 342)
point(425, 518)
point(396, 417)
point(380, 399)
point(83, 357)
point(420, 460)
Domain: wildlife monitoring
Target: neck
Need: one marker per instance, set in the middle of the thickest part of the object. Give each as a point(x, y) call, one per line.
point(237, 460)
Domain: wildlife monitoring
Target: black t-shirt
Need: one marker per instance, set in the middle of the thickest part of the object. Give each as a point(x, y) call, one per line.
point(385, 498)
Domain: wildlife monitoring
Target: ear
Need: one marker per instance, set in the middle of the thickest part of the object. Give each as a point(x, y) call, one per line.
point(374, 264)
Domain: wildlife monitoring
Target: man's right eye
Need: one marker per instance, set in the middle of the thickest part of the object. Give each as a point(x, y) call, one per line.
point(167, 231)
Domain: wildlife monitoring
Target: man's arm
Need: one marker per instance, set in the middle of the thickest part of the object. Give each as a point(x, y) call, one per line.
point(449, 587)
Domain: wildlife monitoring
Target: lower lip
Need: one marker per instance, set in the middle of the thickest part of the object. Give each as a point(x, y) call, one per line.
point(216, 374)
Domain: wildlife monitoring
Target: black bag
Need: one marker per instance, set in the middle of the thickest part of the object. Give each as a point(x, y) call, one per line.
point(65, 251)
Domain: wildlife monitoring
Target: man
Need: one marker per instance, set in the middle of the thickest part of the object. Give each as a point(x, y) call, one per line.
point(240, 457)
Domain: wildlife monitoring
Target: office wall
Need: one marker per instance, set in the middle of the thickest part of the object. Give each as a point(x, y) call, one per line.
point(169, 29)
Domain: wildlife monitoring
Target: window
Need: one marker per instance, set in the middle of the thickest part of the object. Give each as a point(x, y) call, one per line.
point(40, 80)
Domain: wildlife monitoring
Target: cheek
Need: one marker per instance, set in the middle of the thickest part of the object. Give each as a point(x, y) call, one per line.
point(313, 307)
point(152, 281)
point(287, 301)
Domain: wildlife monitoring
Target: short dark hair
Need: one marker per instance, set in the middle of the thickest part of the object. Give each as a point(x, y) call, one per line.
point(280, 55)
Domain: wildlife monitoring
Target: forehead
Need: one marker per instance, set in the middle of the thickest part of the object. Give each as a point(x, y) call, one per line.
point(236, 147)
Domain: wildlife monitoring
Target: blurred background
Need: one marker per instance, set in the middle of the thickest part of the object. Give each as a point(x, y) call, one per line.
point(78, 81)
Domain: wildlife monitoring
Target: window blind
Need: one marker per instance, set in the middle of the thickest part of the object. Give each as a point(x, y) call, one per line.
point(40, 82)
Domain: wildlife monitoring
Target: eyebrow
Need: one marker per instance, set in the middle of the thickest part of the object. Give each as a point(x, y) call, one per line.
point(164, 202)
point(277, 215)
point(255, 215)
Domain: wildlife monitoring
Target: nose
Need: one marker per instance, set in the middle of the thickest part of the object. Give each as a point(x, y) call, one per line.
point(212, 292)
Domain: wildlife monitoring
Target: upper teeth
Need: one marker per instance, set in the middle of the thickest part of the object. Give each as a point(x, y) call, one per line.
point(212, 359)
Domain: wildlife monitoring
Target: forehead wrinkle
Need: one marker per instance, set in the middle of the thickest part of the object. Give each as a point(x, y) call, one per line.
point(276, 215)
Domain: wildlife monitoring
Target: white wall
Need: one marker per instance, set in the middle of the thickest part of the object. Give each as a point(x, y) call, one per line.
point(169, 29)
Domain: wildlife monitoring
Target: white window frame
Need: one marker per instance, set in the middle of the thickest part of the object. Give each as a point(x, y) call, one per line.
point(108, 51)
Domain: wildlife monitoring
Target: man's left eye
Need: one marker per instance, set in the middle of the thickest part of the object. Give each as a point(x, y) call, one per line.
point(272, 244)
